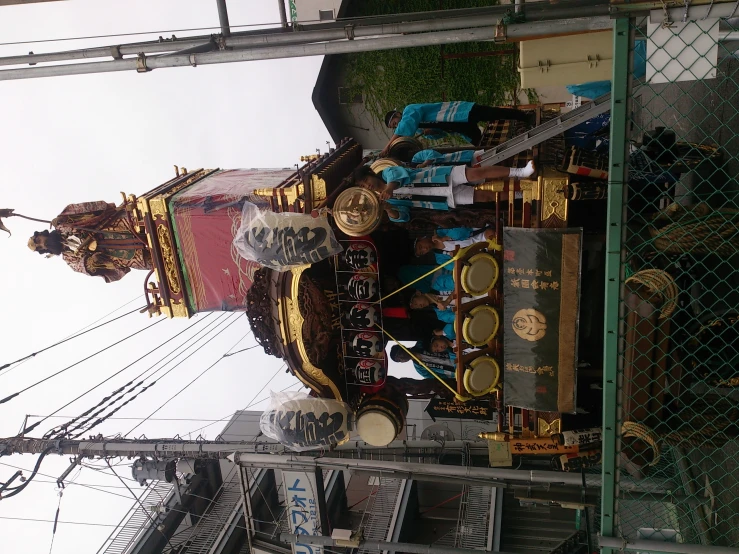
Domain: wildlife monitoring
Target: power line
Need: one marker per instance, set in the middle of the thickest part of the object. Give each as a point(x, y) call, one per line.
point(133, 384)
point(76, 335)
point(36, 520)
point(218, 29)
point(29, 429)
point(145, 388)
point(93, 487)
point(7, 398)
point(227, 417)
point(234, 320)
point(227, 354)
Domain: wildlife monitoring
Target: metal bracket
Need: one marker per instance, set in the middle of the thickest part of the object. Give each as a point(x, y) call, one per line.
point(193, 60)
point(593, 61)
point(115, 52)
point(73, 463)
point(500, 33)
point(141, 63)
point(220, 41)
point(544, 66)
point(349, 32)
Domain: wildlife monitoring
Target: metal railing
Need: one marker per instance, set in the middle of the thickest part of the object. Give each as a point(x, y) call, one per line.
point(379, 513)
point(202, 537)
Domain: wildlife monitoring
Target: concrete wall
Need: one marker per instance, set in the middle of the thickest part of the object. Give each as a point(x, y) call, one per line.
point(308, 10)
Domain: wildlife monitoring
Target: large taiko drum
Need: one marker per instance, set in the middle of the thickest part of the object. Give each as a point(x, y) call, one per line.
point(381, 164)
point(479, 274)
point(380, 417)
point(404, 148)
point(482, 377)
point(480, 325)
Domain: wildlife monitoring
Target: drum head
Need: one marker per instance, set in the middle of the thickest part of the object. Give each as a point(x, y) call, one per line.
point(481, 325)
point(378, 166)
point(482, 377)
point(376, 428)
point(480, 274)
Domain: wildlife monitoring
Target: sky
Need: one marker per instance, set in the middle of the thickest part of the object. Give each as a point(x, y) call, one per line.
point(86, 138)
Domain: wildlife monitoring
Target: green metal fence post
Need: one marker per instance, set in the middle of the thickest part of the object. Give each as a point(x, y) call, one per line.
point(616, 184)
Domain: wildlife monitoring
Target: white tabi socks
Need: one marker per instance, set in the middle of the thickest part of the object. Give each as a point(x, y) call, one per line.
point(522, 172)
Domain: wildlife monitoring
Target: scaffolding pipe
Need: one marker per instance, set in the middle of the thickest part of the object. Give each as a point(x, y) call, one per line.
point(283, 13)
point(405, 469)
point(267, 37)
point(659, 546)
point(378, 546)
point(143, 64)
point(223, 18)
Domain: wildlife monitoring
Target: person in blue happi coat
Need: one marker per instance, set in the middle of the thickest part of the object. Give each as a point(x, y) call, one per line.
point(468, 114)
point(428, 157)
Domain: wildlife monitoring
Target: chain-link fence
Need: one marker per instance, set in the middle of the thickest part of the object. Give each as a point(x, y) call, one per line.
point(672, 309)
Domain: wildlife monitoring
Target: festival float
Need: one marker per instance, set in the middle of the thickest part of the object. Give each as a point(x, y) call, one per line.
point(313, 261)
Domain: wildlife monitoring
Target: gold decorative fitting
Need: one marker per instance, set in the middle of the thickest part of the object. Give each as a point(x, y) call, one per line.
point(170, 268)
point(178, 309)
point(318, 188)
point(158, 207)
point(529, 190)
point(491, 186)
point(546, 429)
point(554, 201)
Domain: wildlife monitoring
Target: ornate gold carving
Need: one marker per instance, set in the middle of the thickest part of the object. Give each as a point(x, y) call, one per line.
point(554, 200)
point(294, 324)
point(170, 267)
point(529, 324)
point(293, 320)
point(178, 309)
point(318, 188)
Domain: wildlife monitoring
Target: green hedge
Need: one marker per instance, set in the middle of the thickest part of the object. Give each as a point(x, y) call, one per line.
point(395, 78)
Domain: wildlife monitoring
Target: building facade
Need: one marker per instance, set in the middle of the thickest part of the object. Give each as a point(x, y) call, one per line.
point(217, 507)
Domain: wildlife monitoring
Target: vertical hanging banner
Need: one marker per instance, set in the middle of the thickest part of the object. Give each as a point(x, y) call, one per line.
point(301, 499)
point(541, 303)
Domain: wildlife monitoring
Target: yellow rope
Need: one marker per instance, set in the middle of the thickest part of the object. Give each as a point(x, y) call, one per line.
point(492, 245)
point(456, 394)
point(644, 433)
point(662, 284)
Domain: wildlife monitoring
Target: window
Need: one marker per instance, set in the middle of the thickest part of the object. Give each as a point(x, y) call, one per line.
point(346, 97)
point(326, 15)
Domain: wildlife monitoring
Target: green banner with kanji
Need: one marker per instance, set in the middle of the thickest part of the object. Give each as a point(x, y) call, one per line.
point(541, 300)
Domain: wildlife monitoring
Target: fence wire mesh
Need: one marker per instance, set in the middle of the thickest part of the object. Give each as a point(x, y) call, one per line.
point(678, 349)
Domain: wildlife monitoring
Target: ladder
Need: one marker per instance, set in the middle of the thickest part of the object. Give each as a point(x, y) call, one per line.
point(545, 131)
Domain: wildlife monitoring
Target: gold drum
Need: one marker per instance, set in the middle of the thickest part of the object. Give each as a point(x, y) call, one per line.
point(357, 211)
